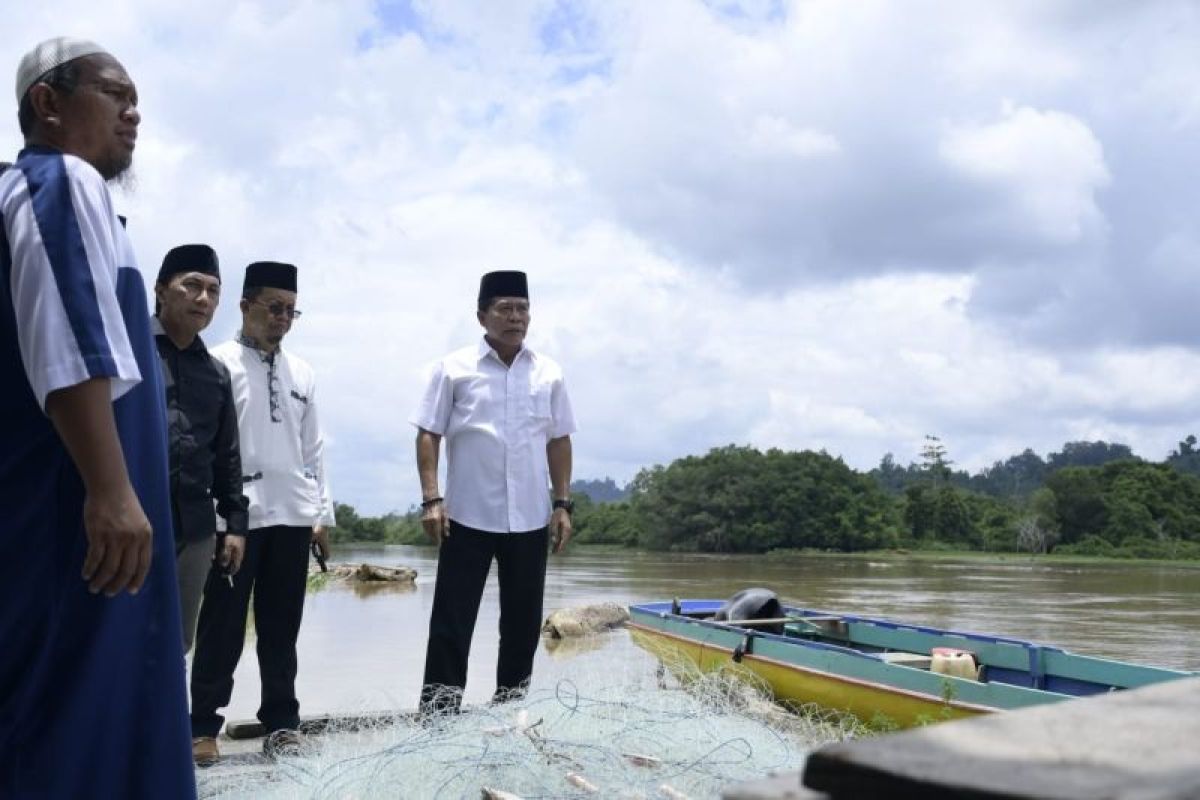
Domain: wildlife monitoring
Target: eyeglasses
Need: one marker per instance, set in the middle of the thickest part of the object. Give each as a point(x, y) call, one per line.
point(278, 309)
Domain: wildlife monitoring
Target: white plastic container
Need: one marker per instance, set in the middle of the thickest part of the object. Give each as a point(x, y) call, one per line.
point(950, 661)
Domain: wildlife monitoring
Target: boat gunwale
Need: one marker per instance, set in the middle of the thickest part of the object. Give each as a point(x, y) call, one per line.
point(649, 608)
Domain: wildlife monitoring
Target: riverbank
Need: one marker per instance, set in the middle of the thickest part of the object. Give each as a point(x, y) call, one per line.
point(982, 557)
point(991, 557)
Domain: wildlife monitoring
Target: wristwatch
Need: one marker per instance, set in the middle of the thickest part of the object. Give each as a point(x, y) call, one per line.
point(566, 505)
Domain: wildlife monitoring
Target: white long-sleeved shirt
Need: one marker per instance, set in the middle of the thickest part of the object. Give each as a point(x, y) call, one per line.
point(280, 436)
point(496, 420)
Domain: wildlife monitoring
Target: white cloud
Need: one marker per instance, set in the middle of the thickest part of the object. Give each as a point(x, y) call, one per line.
point(796, 224)
point(1048, 165)
point(771, 135)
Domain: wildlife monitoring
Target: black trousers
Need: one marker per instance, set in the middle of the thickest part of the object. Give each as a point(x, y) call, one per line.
point(275, 570)
point(463, 564)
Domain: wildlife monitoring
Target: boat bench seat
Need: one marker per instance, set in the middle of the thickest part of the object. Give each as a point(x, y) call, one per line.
point(914, 660)
point(816, 626)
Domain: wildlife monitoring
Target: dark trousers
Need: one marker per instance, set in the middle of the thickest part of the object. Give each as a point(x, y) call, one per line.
point(275, 569)
point(463, 563)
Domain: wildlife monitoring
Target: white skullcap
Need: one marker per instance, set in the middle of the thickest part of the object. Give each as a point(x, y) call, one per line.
point(48, 55)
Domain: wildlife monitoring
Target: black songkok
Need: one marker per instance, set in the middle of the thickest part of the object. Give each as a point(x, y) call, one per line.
point(270, 275)
point(505, 283)
point(189, 258)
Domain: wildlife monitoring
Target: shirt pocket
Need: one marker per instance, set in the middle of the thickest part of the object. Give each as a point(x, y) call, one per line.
point(309, 489)
point(539, 402)
point(294, 405)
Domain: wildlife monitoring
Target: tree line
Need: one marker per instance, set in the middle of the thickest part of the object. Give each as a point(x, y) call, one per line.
point(1090, 498)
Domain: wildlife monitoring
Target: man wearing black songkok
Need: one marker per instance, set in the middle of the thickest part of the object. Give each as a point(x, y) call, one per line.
point(202, 434)
point(283, 469)
point(504, 413)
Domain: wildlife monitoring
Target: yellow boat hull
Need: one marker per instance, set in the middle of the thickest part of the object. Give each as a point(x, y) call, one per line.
point(875, 704)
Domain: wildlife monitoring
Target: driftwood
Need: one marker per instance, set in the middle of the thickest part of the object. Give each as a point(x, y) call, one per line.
point(567, 622)
point(370, 573)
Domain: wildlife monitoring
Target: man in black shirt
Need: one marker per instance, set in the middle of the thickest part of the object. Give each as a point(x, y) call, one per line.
point(201, 426)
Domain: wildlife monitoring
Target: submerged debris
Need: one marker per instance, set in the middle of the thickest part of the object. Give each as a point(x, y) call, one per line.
point(369, 573)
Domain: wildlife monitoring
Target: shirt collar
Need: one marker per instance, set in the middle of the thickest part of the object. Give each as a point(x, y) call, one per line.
point(485, 349)
point(250, 344)
point(157, 329)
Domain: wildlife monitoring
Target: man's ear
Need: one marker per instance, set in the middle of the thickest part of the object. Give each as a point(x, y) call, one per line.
point(46, 104)
point(481, 315)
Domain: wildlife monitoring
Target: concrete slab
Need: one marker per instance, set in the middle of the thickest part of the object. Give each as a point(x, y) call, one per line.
point(1140, 744)
point(784, 786)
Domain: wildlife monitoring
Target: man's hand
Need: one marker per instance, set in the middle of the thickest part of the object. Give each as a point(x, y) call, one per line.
point(118, 534)
point(435, 523)
point(233, 550)
point(119, 542)
point(321, 537)
point(560, 530)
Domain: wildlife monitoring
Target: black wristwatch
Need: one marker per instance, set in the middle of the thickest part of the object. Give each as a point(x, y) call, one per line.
point(566, 505)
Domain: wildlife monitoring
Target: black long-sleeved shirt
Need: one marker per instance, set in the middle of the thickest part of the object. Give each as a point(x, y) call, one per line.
point(202, 436)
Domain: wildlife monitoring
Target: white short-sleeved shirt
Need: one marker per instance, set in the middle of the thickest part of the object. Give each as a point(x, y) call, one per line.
point(58, 217)
point(497, 421)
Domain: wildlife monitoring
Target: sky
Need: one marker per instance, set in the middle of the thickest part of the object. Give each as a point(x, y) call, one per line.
point(805, 224)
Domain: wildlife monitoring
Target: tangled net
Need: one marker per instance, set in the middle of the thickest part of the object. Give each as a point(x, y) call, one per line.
point(673, 733)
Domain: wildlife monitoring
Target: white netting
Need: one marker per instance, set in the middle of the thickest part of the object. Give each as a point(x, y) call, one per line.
point(605, 731)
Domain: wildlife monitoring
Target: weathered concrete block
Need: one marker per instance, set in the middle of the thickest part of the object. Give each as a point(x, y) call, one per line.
point(1143, 743)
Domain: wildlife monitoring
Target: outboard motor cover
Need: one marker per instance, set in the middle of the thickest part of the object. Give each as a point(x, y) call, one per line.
point(756, 603)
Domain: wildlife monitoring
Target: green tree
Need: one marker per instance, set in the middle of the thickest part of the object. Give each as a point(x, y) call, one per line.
point(1079, 507)
point(737, 499)
point(934, 459)
point(1088, 454)
point(1186, 457)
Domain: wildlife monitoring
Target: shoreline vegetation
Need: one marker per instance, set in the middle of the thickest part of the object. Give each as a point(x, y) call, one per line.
point(1091, 502)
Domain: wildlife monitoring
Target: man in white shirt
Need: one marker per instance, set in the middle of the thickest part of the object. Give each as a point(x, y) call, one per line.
point(284, 479)
point(504, 412)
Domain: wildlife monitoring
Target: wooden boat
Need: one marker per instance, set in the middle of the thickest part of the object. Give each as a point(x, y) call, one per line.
point(888, 674)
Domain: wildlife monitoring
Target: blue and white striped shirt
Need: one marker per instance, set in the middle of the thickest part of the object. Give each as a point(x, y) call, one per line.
point(73, 307)
point(61, 287)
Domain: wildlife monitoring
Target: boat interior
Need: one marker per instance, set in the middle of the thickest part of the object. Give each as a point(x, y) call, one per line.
point(970, 656)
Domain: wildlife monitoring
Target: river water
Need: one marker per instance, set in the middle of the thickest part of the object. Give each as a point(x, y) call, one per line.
point(364, 649)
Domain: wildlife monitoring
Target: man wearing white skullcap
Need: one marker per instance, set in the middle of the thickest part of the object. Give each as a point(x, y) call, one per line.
point(90, 670)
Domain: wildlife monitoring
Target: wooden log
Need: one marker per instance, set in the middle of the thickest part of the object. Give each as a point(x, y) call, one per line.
point(581, 621)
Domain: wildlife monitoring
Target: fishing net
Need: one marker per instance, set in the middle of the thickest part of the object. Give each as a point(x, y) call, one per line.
point(609, 729)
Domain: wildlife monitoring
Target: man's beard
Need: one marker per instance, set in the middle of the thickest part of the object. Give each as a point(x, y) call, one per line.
point(125, 180)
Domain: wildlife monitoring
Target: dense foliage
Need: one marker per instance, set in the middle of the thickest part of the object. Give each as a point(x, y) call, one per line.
point(1090, 498)
point(389, 529)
